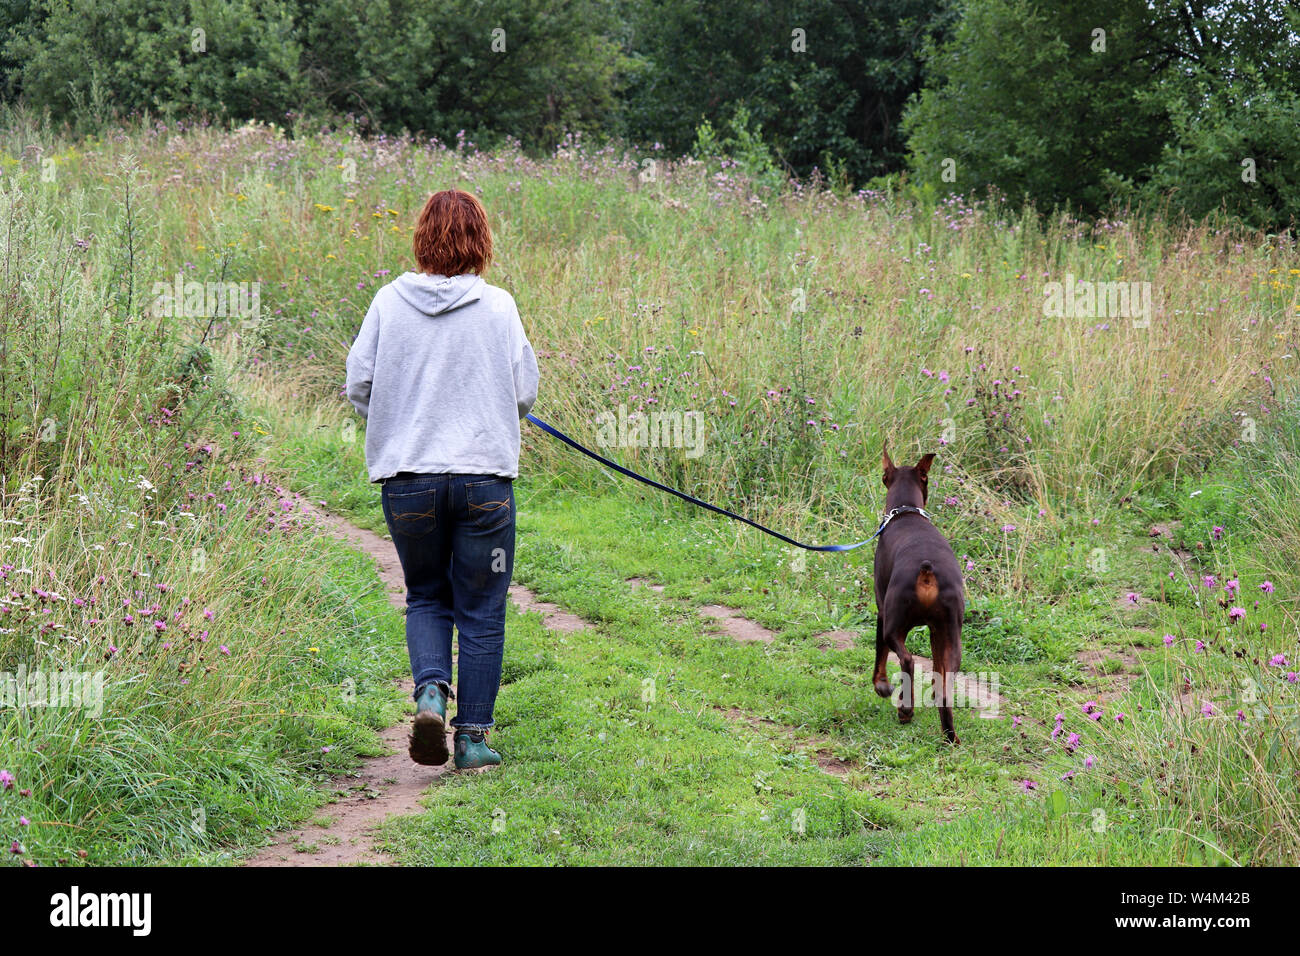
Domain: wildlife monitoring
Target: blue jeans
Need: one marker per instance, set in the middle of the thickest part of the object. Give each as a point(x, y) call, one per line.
point(455, 537)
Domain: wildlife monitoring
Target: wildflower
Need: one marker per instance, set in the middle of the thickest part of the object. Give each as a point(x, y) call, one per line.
point(1028, 785)
point(1208, 709)
point(1277, 660)
point(1132, 597)
point(1169, 640)
point(1072, 742)
point(1267, 587)
point(1089, 761)
point(1217, 533)
point(223, 649)
point(1237, 613)
point(6, 780)
point(1200, 645)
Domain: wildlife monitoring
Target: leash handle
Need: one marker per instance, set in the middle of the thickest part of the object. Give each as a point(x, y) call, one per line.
point(556, 433)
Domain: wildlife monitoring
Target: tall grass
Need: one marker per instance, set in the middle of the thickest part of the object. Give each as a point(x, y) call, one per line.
point(179, 655)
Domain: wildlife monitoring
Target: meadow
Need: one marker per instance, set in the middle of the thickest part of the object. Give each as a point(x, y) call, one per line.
point(1122, 496)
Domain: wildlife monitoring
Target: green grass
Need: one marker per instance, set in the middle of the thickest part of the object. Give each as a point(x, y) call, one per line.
point(1065, 441)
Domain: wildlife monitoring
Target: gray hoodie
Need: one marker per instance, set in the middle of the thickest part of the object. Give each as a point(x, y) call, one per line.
point(442, 372)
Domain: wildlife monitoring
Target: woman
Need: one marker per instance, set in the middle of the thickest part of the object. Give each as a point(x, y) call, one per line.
point(443, 372)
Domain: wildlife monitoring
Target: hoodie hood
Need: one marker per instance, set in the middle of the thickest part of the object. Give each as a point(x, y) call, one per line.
point(434, 294)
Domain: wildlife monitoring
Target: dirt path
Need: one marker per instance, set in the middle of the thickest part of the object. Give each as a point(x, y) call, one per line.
point(341, 833)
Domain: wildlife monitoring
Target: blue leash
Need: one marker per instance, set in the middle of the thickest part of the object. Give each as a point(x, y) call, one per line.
point(555, 432)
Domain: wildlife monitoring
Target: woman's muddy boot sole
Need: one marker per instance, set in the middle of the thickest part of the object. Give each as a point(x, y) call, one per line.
point(428, 740)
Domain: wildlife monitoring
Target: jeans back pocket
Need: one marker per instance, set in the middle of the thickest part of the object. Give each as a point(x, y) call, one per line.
point(491, 503)
point(412, 514)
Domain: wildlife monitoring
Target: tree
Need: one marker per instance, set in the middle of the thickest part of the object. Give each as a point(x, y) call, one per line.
point(827, 82)
point(1088, 102)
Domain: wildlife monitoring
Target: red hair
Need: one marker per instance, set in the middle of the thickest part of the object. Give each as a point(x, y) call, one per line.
point(452, 236)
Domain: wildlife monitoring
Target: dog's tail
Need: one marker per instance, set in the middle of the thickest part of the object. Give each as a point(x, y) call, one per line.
point(927, 585)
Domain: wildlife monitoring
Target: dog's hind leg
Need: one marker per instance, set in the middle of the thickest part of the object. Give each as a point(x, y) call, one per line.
point(881, 674)
point(895, 638)
point(945, 642)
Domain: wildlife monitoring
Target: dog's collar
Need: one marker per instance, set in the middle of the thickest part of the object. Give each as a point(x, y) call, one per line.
point(901, 510)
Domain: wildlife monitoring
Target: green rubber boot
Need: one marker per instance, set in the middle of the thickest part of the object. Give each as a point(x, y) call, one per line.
point(428, 743)
point(472, 750)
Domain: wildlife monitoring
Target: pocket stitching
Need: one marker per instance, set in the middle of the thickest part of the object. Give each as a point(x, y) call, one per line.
point(481, 509)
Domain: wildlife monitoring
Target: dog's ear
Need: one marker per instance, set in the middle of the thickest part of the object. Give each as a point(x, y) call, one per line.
point(886, 464)
point(923, 466)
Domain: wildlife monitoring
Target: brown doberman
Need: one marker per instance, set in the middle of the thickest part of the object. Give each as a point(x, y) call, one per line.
point(918, 582)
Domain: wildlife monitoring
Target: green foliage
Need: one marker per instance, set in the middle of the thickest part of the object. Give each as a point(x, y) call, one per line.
point(173, 57)
point(742, 148)
point(392, 64)
point(829, 97)
point(1235, 151)
point(531, 69)
point(1089, 105)
point(1021, 102)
